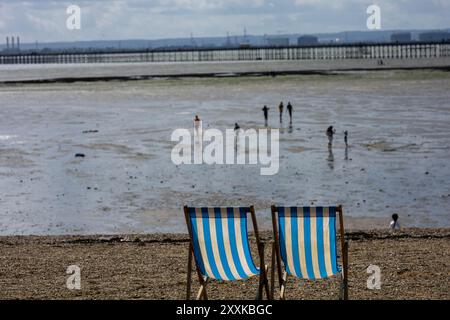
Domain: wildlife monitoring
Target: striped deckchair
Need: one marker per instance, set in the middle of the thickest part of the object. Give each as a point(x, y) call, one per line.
point(220, 247)
point(305, 245)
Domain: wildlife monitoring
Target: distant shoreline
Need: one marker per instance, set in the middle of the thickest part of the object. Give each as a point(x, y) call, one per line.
point(350, 234)
point(331, 72)
point(71, 73)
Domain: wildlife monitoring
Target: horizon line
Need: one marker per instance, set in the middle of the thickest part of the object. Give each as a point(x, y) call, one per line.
point(231, 36)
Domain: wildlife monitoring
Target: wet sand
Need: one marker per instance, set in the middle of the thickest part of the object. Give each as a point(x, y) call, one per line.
point(414, 265)
point(397, 161)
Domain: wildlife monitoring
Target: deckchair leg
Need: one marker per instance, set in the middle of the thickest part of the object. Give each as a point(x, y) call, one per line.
point(272, 273)
point(283, 286)
point(263, 283)
point(266, 284)
point(344, 250)
point(202, 291)
point(189, 274)
point(205, 295)
point(345, 267)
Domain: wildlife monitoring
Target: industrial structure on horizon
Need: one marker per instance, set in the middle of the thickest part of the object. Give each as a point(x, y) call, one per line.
point(434, 36)
point(14, 45)
point(307, 40)
point(402, 45)
point(401, 37)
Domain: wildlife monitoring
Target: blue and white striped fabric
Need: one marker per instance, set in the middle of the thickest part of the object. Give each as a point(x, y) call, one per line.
point(221, 246)
point(308, 241)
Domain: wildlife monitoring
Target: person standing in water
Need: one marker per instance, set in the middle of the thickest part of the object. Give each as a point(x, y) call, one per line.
point(346, 138)
point(281, 108)
point(237, 129)
point(198, 137)
point(330, 133)
point(266, 114)
point(197, 123)
point(290, 109)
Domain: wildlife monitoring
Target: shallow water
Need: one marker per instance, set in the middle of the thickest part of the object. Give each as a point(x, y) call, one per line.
point(399, 133)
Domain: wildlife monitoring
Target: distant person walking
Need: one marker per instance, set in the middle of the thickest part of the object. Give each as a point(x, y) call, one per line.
point(197, 123)
point(281, 109)
point(395, 225)
point(290, 109)
point(237, 130)
point(346, 138)
point(198, 137)
point(266, 114)
point(330, 133)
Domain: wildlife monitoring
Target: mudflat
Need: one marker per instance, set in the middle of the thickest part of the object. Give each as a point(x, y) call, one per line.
point(396, 162)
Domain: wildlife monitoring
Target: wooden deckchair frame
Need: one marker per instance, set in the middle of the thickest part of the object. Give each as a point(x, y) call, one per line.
point(202, 294)
point(282, 275)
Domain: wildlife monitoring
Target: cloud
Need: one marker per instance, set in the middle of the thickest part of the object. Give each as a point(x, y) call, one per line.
point(44, 20)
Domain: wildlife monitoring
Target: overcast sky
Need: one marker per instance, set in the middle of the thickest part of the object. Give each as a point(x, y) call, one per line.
point(45, 20)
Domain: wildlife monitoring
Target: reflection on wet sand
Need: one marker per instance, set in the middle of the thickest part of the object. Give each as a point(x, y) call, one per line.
point(330, 158)
point(291, 129)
